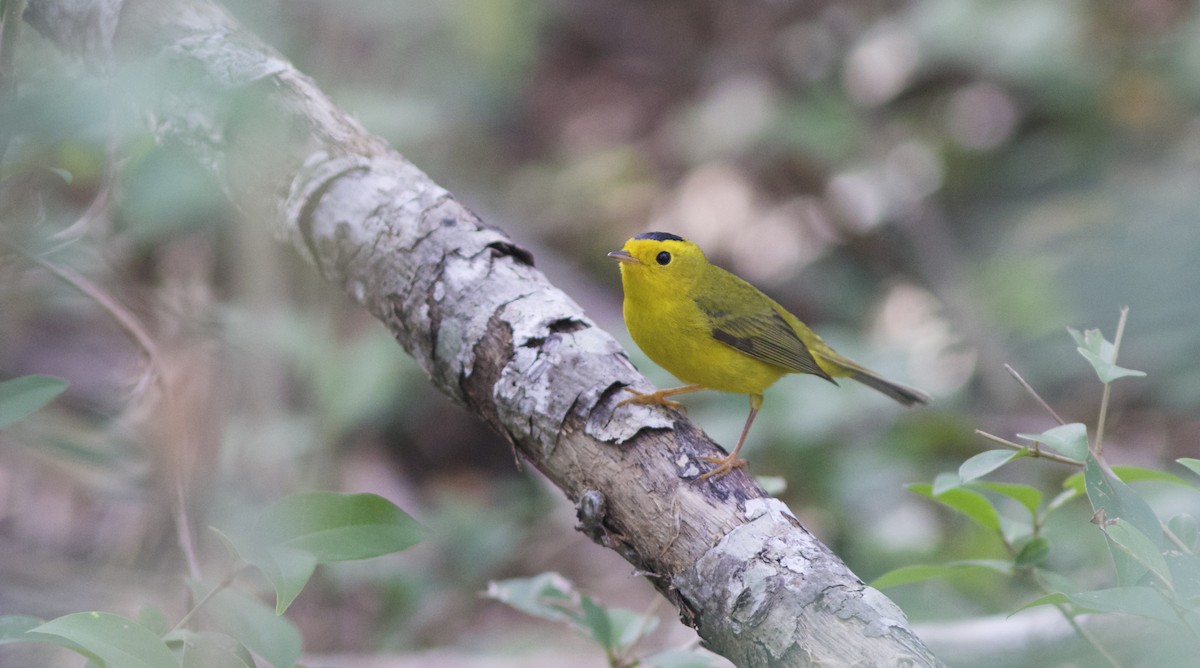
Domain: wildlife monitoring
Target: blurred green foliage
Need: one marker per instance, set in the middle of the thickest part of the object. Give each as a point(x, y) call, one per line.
point(939, 187)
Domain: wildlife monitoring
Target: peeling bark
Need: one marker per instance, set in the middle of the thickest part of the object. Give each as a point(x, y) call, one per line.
point(492, 333)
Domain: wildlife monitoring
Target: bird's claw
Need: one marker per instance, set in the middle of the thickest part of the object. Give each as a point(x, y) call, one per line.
point(657, 398)
point(723, 466)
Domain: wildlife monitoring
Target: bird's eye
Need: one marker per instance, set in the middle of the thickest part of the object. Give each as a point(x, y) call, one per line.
point(663, 258)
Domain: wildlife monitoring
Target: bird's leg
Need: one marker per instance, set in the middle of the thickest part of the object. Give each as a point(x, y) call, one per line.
point(726, 464)
point(659, 397)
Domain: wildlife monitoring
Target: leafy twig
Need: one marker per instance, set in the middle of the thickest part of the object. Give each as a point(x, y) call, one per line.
point(1098, 449)
point(1033, 452)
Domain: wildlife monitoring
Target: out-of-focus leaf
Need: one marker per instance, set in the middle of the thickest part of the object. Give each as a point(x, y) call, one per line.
point(628, 627)
point(153, 619)
point(1055, 598)
point(1185, 576)
point(1055, 581)
point(1128, 474)
point(1069, 440)
point(1112, 499)
point(13, 627)
point(111, 640)
point(551, 596)
point(339, 527)
point(541, 595)
point(919, 572)
point(1186, 529)
point(595, 620)
point(1099, 352)
point(213, 650)
point(986, 462)
point(966, 501)
point(1034, 552)
point(1141, 601)
point(21, 397)
point(1139, 547)
point(1030, 497)
point(1192, 464)
point(944, 482)
point(256, 626)
point(292, 535)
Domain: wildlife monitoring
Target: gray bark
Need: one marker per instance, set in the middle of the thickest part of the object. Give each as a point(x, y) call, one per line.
point(492, 333)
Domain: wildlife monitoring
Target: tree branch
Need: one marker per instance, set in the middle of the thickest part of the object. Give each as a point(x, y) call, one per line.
point(491, 332)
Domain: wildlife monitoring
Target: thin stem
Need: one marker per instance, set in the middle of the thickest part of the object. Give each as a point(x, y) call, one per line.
point(10, 30)
point(1033, 452)
point(124, 319)
point(228, 580)
point(1099, 448)
point(1033, 393)
point(183, 526)
point(1088, 637)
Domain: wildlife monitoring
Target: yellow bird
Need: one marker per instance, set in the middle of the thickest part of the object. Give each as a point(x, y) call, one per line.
point(715, 331)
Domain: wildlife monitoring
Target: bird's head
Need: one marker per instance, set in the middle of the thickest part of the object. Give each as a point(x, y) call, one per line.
point(660, 259)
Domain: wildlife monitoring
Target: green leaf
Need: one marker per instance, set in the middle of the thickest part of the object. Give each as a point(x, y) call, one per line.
point(1140, 601)
point(1186, 529)
point(1128, 474)
point(944, 482)
point(1069, 440)
point(294, 534)
point(1190, 462)
point(1117, 501)
point(1034, 552)
point(966, 501)
point(256, 626)
point(213, 650)
point(153, 619)
point(21, 397)
point(339, 527)
point(1049, 599)
point(1099, 352)
point(287, 569)
point(1030, 497)
point(1055, 581)
point(539, 595)
point(595, 620)
point(1139, 547)
point(1185, 576)
point(112, 640)
point(629, 626)
point(986, 462)
point(14, 627)
point(919, 572)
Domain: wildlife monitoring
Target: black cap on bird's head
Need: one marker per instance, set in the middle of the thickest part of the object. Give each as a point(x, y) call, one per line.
point(659, 236)
point(658, 250)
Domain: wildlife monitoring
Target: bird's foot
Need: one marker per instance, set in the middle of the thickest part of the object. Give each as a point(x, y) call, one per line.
point(657, 398)
point(723, 466)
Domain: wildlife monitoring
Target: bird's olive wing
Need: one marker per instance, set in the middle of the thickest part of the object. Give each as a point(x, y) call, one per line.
point(762, 334)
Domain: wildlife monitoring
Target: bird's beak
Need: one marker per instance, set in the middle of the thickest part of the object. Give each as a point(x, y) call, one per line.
point(622, 256)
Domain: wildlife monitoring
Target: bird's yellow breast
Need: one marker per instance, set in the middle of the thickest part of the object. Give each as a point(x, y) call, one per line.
point(668, 325)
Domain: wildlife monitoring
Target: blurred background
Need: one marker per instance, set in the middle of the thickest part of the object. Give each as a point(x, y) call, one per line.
point(938, 187)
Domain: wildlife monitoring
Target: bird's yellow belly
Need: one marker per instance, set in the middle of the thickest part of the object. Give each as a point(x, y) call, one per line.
point(684, 346)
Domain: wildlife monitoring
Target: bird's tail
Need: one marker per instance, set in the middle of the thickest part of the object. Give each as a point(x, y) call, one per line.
point(909, 396)
point(837, 365)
